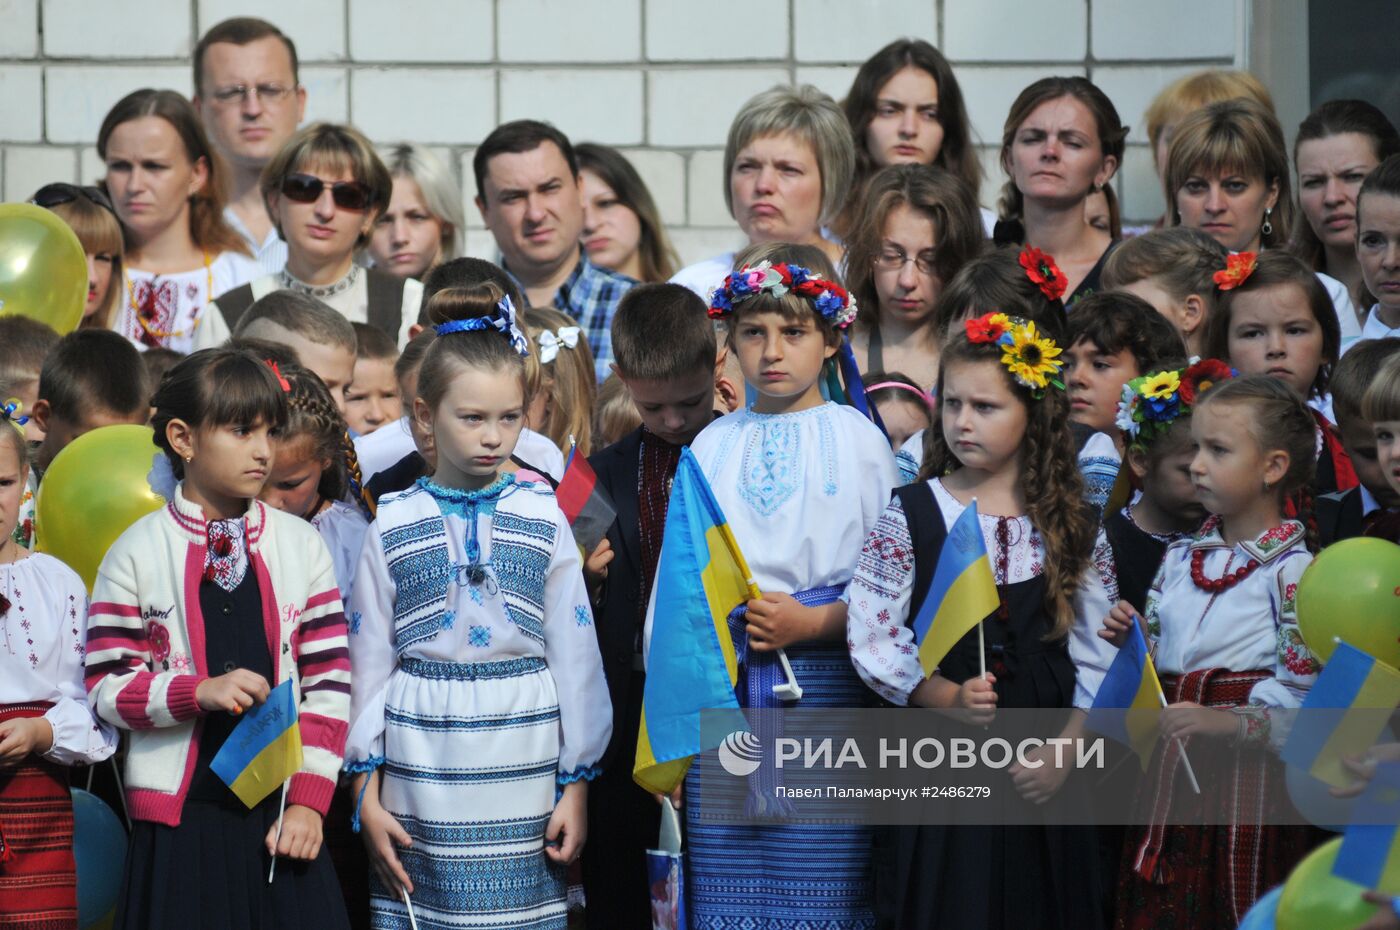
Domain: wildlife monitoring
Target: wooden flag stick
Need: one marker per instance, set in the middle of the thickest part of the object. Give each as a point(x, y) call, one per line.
point(981, 649)
point(281, 812)
point(408, 903)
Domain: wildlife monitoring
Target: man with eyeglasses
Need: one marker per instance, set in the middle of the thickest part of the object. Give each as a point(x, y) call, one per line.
point(247, 94)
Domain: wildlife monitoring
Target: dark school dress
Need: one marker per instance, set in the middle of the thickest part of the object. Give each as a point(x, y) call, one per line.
point(1137, 554)
point(211, 870)
point(930, 876)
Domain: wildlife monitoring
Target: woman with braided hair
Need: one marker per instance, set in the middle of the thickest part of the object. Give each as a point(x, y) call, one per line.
point(311, 469)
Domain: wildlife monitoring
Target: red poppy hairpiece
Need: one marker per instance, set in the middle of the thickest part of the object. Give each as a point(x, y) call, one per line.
point(1238, 268)
point(1044, 273)
point(286, 385)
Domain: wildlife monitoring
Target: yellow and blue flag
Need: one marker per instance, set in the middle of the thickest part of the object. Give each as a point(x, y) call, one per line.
point(264, 750)
point(963, 592)
point(700, 578)
point(1128, 705)
point(1370, 850)
point(1328, 727)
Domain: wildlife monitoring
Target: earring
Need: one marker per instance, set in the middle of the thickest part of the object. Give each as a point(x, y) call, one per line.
point(1268, 228)
point(189, 458)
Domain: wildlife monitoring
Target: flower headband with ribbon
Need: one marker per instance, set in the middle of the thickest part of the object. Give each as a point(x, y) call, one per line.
point(828, 298)
point(1044, 273)
point(1238, 268)
point(10, 412)
point(1031, 358)
point(1153, 402)
point(566, 337)
point(502, 319)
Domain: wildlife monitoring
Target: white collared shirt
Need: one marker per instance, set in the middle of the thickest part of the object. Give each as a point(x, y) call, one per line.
point(270, 255)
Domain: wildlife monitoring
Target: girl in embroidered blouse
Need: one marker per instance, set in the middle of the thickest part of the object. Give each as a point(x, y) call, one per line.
point(198, 610)
point(561, 379)
point(1221, 614)
point(45, 722)
point(1274, 318)
point(1003, 439)
point(309, 476)
point(166, 183)
point(479, 696)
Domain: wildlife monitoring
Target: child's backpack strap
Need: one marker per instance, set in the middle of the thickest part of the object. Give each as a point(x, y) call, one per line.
point(928, 531)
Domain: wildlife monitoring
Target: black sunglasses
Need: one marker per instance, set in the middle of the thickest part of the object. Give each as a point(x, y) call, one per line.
point(51, 195)
point(307, 188)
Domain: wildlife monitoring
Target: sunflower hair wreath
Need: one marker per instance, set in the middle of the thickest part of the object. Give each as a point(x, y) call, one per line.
point(1031, 358)
point(1150, 404)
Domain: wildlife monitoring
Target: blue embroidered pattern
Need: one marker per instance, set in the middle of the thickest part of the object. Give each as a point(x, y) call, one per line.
point(830, 454)
point(582, 615)
point(356, 618)
point(772, 467)
point(416, 554)
point(479, 636)
point(448, 618)
point(521, 550)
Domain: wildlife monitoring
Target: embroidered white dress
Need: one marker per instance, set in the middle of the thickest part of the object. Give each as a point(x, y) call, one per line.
point(42, 637)
point(478, 688)
point(1252, 626)
point(799, 491)
point(881, 641)
point(342, 527)
point(172, 306)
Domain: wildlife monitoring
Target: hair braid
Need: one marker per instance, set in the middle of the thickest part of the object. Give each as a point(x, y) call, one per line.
point(314, 417)
point(358, 491)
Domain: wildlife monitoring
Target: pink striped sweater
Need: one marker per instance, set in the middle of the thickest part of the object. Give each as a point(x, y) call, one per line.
point(145, 648)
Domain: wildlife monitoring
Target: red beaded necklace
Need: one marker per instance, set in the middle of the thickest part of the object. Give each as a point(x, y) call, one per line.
point(1226, 581)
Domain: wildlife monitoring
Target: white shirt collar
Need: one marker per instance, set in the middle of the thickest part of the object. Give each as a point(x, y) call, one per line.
point(1374, 328)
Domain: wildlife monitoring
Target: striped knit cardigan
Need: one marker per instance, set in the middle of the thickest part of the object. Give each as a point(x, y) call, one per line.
point(145, 648)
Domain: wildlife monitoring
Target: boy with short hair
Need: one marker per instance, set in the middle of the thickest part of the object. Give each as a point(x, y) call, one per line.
point(1344, 514)
point(91, 378)
point(323, 340)
point(1113, 338)
point(372, 399)
point(664, 351)
point(24, 344)
point(1174, 271)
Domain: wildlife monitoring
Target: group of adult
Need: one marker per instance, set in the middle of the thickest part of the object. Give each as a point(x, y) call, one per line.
point(221, 199)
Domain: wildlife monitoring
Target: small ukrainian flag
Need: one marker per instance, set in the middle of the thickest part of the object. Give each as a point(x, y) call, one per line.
point(264, 750)
point(700, 577)
point(963, 592)
point(1370, 850)
point(1326, 727)
point(1128, 705)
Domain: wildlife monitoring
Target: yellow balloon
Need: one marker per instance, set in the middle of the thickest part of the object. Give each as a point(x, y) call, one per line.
point(43, 271)
point(1314, 898)
point(1351, 591)
point(95, 488)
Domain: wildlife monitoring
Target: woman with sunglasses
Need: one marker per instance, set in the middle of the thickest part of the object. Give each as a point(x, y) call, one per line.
point(88, 212)
point(166, 185)
point(324, 191)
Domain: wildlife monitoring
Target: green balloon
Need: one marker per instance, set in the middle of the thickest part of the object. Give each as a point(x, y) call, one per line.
point(1314, 899)
point(95, 488)
point(1351, 591)
point(43, 270)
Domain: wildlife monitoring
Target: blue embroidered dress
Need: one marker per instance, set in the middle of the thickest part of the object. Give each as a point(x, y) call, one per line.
point(478, 689)
point(800, 492)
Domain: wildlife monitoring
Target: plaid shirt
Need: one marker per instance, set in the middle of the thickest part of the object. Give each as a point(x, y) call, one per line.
point(590, 295)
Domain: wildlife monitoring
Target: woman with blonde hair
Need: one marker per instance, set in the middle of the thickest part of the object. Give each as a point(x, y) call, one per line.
point(88, 212)
point(1062, 141)
point(1188, 94)
point(788, 165)
point(1227, 175)
point(622, 228)
point(324, 191)
point(424, 225)
point(167, 188)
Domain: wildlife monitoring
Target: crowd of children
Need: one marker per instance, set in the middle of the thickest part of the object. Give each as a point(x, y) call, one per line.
point(380, 528)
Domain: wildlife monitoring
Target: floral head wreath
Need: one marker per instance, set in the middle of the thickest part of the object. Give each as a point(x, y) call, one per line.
point(828, 298)
point(10, 412)
point(1238, 268)
point(1152, 403)
point(1031, 358)
point(1044, 273)
point(502, 319)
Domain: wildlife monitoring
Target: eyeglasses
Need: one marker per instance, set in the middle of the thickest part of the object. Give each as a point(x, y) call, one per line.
point(895, 260)
point(307, 188)
point(51, 195)
point(266, 93)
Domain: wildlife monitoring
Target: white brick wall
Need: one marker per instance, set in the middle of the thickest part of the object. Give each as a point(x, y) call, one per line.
point(659, 78)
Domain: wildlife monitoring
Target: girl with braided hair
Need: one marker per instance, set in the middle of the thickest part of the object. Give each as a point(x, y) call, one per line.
point(311, 471)
point(1003, 446)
